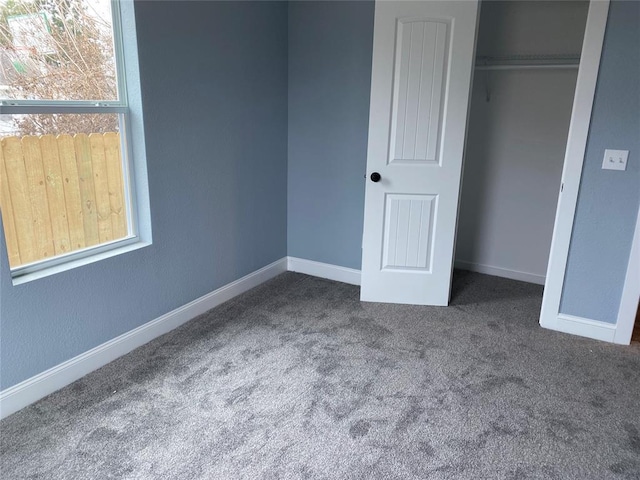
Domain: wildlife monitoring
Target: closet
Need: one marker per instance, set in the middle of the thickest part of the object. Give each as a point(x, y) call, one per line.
point(527, 60)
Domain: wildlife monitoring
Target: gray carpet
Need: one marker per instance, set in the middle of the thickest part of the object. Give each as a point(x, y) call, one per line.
point(298, 379)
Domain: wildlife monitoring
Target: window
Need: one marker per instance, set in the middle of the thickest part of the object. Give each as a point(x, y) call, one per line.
point(67, 190)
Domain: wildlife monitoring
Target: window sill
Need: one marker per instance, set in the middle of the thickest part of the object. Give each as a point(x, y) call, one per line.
point(135, 244)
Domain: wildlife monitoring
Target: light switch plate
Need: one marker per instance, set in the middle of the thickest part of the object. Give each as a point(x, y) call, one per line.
point(615, 159)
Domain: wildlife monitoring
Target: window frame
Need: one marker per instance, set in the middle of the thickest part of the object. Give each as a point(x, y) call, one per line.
point(121, 107)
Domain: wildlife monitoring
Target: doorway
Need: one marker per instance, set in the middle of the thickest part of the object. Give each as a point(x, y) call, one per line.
point(556, 245)
point(527, 60)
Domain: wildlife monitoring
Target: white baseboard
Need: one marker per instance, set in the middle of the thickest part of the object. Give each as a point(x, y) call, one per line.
point(500, 272)
point(29, 391)
point(583, 327)
point(324, 270)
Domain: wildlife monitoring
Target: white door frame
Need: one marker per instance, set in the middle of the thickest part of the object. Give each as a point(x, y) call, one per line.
point(630, 292)
point(550, 316)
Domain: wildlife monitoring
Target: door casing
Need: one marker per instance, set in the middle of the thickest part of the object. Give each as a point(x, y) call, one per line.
point(550, 316)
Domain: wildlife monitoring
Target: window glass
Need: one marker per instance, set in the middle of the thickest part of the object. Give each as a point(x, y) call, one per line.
point(61, 192)
point(57, 50)
point(65, 190)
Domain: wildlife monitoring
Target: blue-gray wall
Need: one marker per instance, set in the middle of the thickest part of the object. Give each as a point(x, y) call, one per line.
point(608, 200)
point(330, 48)
point(214, 87)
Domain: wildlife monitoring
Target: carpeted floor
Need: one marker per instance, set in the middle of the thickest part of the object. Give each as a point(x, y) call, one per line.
point(298, 379)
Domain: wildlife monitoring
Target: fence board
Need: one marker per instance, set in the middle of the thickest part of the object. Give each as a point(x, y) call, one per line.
point(60, 194)
point(116, 189)
point(71, 181)
point(6, 205)
point(101, 185)
point(55, 194)
point(19, 190)
point(38, 196)
point(87, 190)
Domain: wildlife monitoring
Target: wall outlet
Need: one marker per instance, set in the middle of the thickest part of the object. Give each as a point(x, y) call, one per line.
point(615, 159)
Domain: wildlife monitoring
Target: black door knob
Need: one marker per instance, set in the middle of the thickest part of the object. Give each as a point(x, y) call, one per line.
point(375, 177)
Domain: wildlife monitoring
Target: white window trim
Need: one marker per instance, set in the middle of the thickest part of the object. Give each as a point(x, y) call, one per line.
point(134, 164)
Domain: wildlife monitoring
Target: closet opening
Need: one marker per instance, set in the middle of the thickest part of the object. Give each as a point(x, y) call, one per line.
point(527, 59)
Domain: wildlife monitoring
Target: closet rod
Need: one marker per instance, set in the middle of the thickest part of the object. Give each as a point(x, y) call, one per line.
point(532, 66)
point(527, 61)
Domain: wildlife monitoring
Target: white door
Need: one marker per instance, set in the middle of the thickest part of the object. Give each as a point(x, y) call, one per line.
point(423, 56)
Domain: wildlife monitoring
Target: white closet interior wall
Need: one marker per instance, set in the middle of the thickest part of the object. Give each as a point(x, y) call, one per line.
point(518, 128)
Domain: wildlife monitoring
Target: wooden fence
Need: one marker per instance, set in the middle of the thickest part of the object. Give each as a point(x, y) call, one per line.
point(60, 194)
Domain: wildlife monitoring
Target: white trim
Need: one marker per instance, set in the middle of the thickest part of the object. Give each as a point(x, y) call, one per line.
point(553, 66)
point(33, 389)
point(630, 292)
point(572, 171)
point(118, 50)
point(585, 327)
point(324, 270)
point(44, 268)
point(67, 107)
point(500, 272)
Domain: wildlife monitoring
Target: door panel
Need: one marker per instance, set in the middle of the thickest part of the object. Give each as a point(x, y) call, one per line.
point(420, 70)
point(420, 87)
point(408, 231)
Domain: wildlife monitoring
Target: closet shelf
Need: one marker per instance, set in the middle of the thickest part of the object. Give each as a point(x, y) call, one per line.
point(513, 62)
